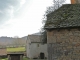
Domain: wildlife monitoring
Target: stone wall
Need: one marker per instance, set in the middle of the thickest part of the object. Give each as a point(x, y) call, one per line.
point(35, 47)
point(64, 44)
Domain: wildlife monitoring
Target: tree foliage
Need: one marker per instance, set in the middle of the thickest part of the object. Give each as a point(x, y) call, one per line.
point(55, 6)
point(43, 36)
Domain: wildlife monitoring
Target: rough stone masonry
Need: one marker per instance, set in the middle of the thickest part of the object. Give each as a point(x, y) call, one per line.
point(64, 44)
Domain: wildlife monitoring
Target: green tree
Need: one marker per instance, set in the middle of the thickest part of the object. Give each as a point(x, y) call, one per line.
point(55, 6)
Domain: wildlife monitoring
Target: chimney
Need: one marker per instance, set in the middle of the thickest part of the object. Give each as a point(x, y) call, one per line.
point(75, 1)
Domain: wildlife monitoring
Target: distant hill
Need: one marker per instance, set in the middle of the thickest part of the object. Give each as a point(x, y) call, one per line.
point(6, 40)
point(11, 40)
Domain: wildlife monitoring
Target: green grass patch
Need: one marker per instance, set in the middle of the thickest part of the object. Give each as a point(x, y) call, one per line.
point(4, 59)
point(16, 49)
point(24, 58)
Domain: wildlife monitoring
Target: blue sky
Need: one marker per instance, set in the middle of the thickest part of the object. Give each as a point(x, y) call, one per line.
point(22, 17)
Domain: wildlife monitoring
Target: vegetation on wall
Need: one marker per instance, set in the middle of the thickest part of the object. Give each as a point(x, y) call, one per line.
point(44, 36)
point(66, 16)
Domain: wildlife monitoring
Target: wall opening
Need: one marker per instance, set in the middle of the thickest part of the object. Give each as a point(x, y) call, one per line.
point(15, 57)
point(42, 55)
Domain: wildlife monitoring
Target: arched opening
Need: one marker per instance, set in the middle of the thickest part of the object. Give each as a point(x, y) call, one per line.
point(42, 55)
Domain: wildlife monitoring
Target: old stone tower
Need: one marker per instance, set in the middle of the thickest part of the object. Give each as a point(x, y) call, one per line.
point(75, 1)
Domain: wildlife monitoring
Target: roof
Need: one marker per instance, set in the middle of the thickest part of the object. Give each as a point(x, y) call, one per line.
point(19, 53)
point(38, 33)
point(34, 38)
point(66, 16)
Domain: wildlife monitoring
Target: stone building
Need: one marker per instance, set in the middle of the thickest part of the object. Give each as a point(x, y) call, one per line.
point(35, 49)
point(63, 33)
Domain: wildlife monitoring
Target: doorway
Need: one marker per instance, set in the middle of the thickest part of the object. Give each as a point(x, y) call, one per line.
point(42, 55)
point(15, 57)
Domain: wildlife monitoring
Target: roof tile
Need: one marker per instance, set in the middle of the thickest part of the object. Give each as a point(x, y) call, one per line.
point(66, 16)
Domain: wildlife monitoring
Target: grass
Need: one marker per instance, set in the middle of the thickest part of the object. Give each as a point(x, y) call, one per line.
point(24, 58)
point(16, 49)
point(4, 59)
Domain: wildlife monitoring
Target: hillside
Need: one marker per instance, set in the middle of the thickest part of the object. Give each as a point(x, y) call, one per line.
point(12, 41)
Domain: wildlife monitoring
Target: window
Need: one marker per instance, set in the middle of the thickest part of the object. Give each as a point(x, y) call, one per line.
point(37, 45)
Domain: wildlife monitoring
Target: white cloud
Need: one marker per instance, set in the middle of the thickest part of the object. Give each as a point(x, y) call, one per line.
point(26, 21)
point(22, 2)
